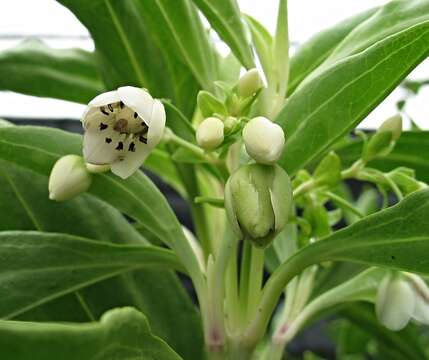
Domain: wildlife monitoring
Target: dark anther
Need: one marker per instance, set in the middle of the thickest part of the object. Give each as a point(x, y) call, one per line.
point(145, 127)
point(132, 147)
point(103, 126)
point(108, 140)
point(110, 107)
point(104, 111)
point(121, 104)
point(120, 146)
point(143, 139)
point(135, 115)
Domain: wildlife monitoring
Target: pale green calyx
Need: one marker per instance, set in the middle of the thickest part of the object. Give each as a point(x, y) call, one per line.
point(210, 133)
point(97, 169)
point(69, 177)
point(249, 83)
point(121, 129)
point(258, 201)
point(400, 298)
point(264, 140)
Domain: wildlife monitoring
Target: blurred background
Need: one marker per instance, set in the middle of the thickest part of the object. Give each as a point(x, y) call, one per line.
point(55, 25)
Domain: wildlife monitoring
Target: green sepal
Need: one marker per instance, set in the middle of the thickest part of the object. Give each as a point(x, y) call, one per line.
point(209, 105)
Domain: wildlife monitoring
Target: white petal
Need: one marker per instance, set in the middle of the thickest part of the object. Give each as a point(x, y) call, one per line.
point(97, 150)
point(421, 311)
point(156, 125)
point(132, 160)
point(105, 98)
point(395, 303)
point(137, 99)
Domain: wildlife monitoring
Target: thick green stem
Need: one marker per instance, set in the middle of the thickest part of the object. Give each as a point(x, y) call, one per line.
point(244, 280)
point(256, 273)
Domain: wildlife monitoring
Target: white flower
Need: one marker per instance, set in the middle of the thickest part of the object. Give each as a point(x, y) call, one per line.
point(210, 133)
point(264, 140)
point(69, 177)
point(249, 83)
point(400, 298)
point(121, 128)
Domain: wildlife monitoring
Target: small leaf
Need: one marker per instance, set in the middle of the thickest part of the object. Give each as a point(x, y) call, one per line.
point(210, 105)
point(328, 172)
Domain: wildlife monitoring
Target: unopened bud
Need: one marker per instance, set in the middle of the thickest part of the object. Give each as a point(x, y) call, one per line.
point(69, 177)
point(249, 83)
point(210, 133)
point(394, 125)
point(258, 201)
point(395, 302)
point(264, 140)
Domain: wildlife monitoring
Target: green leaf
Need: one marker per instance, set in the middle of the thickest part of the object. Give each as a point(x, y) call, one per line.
point(281, 49)
point(34, 68)
point(41, 266)
point(38, 148)
point(314, 51)
point(407, 152)
point(177, 26)
point(226, 19)
point(120, 334)
point(210, 105)
point(370, 68)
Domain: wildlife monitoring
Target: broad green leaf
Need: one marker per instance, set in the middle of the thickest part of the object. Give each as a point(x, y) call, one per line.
point(397, 238)
point(281, 49)
point(226, 19)
point(409, 152)
point(24, 205)
point(341, 93)
point(120, 334)
point(38, 148)
point(314, 51)
point(34, 68)
point(177, 26)
point(42, 266)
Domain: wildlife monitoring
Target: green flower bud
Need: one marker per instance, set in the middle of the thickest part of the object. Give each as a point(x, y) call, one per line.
point(383, 141)
point(230, 124)
point(405, 179)
point(394, 125)
point(69, 177)
point(258, 201)
point(210, 133)
point(249, 83)
point(264, 140)
point(395, 302)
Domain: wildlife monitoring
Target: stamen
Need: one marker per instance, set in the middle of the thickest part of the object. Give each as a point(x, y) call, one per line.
point(121, 125)
point(121, 104)
point(135, 115)
point(103, 126)
point(108, 140)
point(132, 147)
point(120, 146)
point(110, 107)
point(143, 139)
point(104, 111)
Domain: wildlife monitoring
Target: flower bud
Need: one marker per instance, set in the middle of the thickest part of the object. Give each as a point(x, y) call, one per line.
point(69, 177)
point(210, 133)
point(395, 302)
point(383, 141)
point(394, 125)
point(249, 83)
point(257, 201)
point(264, 140)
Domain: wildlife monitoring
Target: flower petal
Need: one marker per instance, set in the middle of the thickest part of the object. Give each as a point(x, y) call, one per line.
point(421, 311)
point(102, 147)
point(105, 98)
point(156, 125)
point(132, 161)
point(137, 99)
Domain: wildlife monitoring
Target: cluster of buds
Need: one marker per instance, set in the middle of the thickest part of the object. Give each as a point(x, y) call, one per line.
point(400, 298)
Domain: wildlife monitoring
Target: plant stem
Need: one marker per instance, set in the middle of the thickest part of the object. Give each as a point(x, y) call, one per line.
point(244, 281)
point(256, 272)
point(231, 292)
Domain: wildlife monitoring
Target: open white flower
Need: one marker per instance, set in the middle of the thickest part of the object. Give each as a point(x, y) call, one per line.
point(121, 128)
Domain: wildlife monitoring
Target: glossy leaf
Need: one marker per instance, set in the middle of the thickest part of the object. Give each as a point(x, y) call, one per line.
point(34, 68)
point(38, 148)
point(120, 334)
point(314, 51)
point(41, 266)
point(24, 205)
point(225, 18)
point(326, 106)
point(407, 152)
